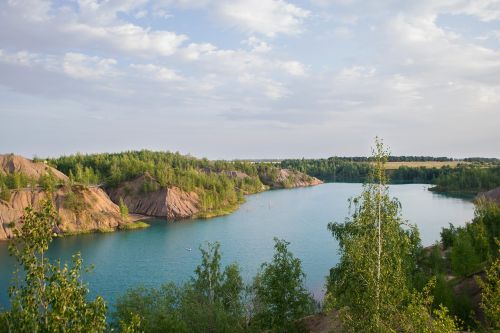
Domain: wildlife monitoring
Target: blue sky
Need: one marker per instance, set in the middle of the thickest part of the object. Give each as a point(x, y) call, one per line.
point(250, 78)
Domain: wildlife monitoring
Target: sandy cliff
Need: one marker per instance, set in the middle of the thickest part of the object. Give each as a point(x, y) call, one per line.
point(171, 203)
point(80, 210)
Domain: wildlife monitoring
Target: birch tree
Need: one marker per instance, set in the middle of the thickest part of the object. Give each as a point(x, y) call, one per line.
point(372, 282)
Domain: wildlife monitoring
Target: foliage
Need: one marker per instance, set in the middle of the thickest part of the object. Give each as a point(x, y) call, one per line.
point(210, 302)
point(51, 298)
point(447, 236)
point(490, 295)
point(48, 181)
point(156, 308)
point(123, 210)
point(420, 317)
point(16, 180)
point(5, 194)
point(333, 169)
point(73, 200)
point(465, 251)
point(280, 295)
point(464, 259)
point(475, 243)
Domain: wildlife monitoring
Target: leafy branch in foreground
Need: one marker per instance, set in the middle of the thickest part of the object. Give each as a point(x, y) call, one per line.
point(51, 297)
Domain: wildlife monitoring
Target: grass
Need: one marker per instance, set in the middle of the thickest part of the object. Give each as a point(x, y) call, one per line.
point(135, 225)
point(426, 164)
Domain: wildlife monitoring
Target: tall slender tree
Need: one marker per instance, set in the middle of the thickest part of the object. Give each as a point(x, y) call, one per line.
point(372, 282)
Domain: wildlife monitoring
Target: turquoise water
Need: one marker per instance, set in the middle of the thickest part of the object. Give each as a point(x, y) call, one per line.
point(158, 254)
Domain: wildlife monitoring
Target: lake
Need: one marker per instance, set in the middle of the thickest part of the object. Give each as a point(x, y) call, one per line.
point(159, 254)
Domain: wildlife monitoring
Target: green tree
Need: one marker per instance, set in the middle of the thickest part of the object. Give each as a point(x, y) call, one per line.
point(212, 301)
point(157, 309)
point(280, 295)
point(51, 297)
point(464, 259)
point(123, 210)
point(373, 281)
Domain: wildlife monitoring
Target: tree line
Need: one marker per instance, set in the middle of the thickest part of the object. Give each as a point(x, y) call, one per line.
point(471, 178)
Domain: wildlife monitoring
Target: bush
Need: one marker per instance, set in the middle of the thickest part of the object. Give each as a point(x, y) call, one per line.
point(74, 202)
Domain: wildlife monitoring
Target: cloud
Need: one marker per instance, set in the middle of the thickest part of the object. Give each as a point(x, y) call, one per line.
point(266, 17)
point(257, 45)
point(131, 38)
point(81, 66)
point(157, 72)
point(257, 66)
point(294, 68)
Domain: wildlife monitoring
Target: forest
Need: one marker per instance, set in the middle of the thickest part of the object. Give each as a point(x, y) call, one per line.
point(477, 175)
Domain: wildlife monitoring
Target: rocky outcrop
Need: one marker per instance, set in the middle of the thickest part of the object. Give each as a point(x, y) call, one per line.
point(10, 163)
point(144, 195)
point(80, 209)
point(493, 195)
point(287, 178)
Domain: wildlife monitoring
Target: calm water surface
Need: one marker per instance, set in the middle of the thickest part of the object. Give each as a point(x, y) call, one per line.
point(158, 254)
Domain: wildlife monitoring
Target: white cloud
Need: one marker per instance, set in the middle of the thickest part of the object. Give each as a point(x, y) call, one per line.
point(485, 10)
point(81, 66)
point(160, 73)
point(193, 51)
point(131, 38)
point(294, 68)
point(266, 17)
point(257, 45)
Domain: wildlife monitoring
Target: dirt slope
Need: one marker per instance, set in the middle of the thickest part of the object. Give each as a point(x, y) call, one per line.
point(10, 163)
point(89, 210)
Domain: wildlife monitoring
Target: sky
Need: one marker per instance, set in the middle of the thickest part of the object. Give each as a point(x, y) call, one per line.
point(250, 78)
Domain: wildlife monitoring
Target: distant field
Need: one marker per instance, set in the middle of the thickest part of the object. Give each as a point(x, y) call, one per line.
point(428, 164)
